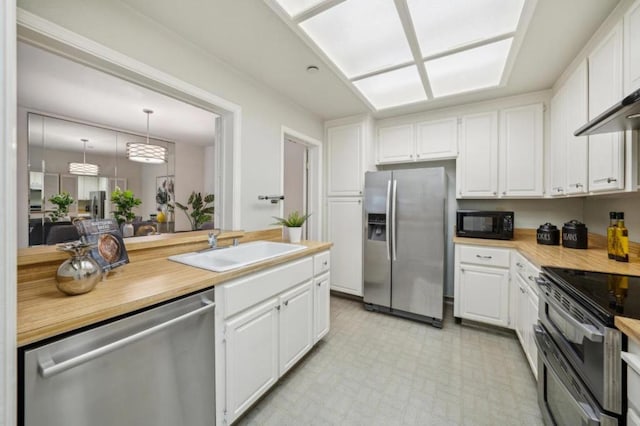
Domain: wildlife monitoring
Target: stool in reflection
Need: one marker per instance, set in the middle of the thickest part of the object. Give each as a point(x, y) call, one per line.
point(62, 234)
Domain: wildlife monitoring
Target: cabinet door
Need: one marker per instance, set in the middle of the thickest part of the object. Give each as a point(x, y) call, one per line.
point(577, 147)
point(345, 230)
point(532, 349)
point(606, 151)
point(251, 356)
point(557, 146)
point(296, 325)
point(437, 139)
point(321, 301)
point(632, 49)
point(484, 294)
point(521, 144)
point(477, 165)
point(344, 160)
point(395, 144)
point(522, 314)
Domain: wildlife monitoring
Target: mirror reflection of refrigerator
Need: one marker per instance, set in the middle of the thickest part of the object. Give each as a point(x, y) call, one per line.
point(98, 199)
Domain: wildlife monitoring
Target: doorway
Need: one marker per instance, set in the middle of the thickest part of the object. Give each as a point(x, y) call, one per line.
point(295, 180)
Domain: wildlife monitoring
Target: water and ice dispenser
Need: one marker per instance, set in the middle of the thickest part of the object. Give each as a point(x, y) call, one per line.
point(377, 226)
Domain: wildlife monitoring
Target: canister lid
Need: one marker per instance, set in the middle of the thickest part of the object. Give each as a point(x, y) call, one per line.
point(547, 227)
point(574, 224)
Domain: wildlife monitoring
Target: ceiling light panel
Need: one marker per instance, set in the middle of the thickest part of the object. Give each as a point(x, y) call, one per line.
point(443, 25)
point(468, 70)
point(389, 89)
point(295, 7)
point(360, 36)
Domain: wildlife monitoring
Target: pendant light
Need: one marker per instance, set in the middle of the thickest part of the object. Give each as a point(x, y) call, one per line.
point(146, 152)
point(84, 168)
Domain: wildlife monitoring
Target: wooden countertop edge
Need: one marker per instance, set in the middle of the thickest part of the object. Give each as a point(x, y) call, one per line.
point(54, 325)
point(629, 326)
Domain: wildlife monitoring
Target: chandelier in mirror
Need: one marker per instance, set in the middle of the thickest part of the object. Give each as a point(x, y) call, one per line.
point(146, 152)
point(84, 168)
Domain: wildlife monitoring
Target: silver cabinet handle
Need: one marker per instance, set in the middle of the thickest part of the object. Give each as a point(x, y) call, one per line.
point(393, 218)
point(48, 367)
point(388, 216)
point(319, 284)
point(278, 307)
point(504, 192)
point(483, 257)
point(519, 265)
point(495, 193)
point(286, 303)
point(531, 278)
point(608, 180)
point(325, 263)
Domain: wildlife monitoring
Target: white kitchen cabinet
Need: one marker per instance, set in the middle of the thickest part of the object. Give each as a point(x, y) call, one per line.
point(321, 296)
point(345, 230)
point(252, 363)
point(477, 164)
point(606, 151)
point(396, 144)
point(296, 325)
point(521, 149)
point(557, 147)
point(577, 147)
point(481, 290)
point(532, 349)
point(345, 160)
point(632, 49)
point(437, 140)
point(632, 360)
point(526, 317)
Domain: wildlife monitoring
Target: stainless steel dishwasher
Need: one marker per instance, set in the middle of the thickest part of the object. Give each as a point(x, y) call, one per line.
point(155, 368)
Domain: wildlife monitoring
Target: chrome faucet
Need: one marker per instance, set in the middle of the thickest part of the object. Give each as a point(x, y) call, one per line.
point(213, 240)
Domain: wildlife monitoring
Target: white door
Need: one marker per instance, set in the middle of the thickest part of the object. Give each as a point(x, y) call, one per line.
point(296, 325)
point(345, 230)
point(295, 179)
point(345, 160)
point(321, 300)
point(251, 352)
point(521, 145)
point(477, 165)
point(577, 147)
point(437, 139)
point(396, 144)
point(606, 151)
point(557, 146)
point(632, 49)
point(485, 294)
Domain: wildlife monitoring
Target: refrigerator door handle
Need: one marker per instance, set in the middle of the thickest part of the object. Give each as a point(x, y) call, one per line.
point(393, 219)
point(388, 214)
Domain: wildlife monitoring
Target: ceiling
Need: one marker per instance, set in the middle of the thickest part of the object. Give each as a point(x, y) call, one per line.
point(52, 84)
point(271, 52)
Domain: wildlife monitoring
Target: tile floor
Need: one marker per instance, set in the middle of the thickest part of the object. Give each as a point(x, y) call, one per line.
point(375, 369)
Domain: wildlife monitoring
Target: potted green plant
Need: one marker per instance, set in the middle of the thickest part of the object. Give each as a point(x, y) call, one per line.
point(293, 223)
point(201, 209)
point(125, 201)
point(62, 200)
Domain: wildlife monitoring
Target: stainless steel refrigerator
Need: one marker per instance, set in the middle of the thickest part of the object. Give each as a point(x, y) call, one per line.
point(404, 243)
point(98, 199)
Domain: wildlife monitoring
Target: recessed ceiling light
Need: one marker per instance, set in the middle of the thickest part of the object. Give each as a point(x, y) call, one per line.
point(312, 69)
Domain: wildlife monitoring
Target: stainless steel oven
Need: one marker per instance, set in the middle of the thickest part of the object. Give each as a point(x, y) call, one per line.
point(563, 398)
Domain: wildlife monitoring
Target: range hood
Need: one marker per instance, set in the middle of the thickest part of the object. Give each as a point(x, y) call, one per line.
point(624, 115)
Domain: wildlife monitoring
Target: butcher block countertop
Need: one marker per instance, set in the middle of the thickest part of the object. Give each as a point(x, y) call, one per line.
point(592, 259)
point(44, 312)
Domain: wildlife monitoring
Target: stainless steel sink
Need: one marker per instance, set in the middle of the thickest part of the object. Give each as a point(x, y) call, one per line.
point(236, 257)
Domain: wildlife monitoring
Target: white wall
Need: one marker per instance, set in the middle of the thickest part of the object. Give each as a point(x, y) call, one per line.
point(190, 166)
point(596, 213)
point(264, 111)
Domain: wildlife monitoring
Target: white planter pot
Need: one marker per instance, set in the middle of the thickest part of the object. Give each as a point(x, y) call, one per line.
point(295, 235)
point(127, 230)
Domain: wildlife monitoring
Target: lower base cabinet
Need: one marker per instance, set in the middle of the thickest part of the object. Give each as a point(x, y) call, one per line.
point(526, 318)
point(295, 309)
point(484, 294)
point(322, 292)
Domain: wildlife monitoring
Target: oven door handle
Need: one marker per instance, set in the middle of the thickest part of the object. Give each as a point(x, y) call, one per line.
point(585, 330)
point(586, 412)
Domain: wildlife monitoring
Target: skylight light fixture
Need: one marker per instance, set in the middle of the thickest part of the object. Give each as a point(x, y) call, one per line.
point(84, 168)
point(146, 152)
point(468, 70)
point(295, 7)
point(398, 87)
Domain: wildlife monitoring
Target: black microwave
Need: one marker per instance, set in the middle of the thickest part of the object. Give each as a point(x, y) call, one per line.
point(497, 225)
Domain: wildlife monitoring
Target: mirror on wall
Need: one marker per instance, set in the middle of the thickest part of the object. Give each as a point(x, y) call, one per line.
point(88, 163)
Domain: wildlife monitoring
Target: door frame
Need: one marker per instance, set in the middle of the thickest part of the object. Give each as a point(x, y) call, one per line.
point(314, 178)
point(47, 35)
point(8, 218)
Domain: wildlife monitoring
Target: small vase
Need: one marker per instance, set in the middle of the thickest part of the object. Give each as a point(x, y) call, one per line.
point(80, 273)
point(127, 229)
point(295, 235)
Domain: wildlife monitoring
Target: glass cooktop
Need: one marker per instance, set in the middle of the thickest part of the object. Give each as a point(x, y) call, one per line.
point(605, 294)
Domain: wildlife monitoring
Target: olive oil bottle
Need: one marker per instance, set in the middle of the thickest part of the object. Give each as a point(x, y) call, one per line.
point(622, 240)
point(611, 235)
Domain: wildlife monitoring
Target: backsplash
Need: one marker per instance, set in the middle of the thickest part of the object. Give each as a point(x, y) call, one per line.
point(596, 213)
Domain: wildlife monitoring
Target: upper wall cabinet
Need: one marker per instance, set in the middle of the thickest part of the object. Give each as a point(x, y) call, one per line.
point(345, 155)
point(477, 165)
point(521, 146)
point(632, 49)
point(423, 141)
point(606, 151)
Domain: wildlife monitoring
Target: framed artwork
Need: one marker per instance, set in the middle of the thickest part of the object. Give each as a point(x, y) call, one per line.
point(164, 191)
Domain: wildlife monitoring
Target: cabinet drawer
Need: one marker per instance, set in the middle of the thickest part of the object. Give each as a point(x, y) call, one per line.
point(632, 358)
point(321, 262)
point(245, 292)
point(484, 256)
